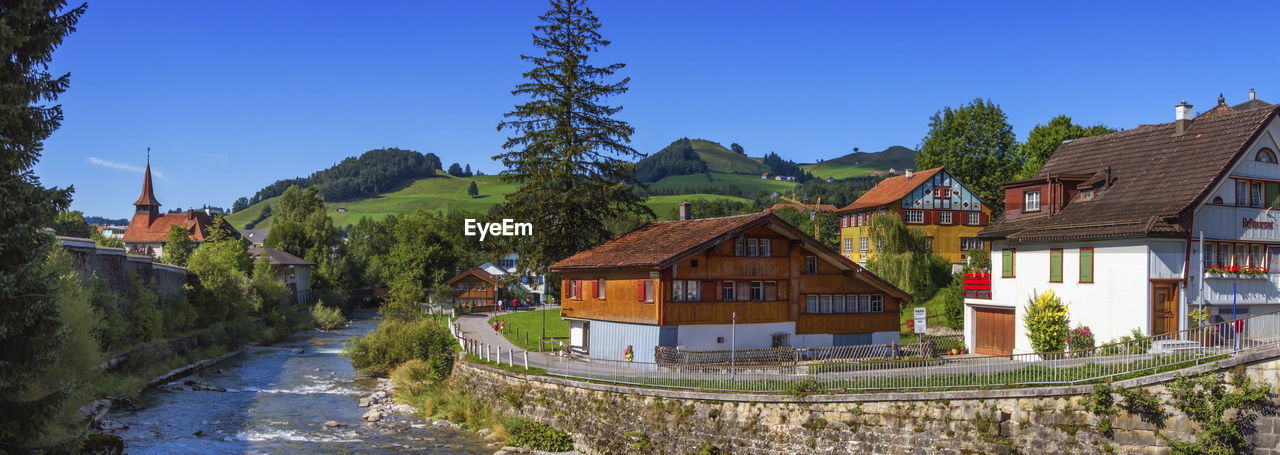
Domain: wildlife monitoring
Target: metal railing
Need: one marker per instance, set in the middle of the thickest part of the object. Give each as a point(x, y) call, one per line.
point(1133, 358)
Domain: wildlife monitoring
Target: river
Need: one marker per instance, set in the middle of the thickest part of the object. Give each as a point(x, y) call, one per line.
point(278, 401)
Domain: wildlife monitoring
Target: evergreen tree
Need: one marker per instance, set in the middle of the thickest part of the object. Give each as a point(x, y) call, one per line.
point(1044, 139)
point(455, 170)
point(466, 171)
point(31, 332)
point(178, 246)
point(737, 149)
point(568, 152)
point(240, 204)
point(976, 144)
point(473, 190)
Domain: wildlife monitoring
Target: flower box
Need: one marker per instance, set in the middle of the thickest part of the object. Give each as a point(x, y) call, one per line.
point(1235, 276)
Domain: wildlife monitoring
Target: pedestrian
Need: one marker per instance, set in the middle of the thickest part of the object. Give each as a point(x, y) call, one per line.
point(499, 307)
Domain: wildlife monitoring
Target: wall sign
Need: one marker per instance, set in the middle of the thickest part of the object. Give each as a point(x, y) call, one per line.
point(1255, 224)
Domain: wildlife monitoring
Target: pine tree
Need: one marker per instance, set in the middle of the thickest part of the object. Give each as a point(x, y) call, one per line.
point(31, 331)
point(466, 171)
point(567, 151)
point(473, 190)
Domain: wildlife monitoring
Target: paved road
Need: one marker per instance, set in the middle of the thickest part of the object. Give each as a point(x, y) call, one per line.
point(475, 326)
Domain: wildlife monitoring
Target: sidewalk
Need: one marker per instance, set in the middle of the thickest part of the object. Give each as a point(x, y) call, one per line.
point(475, 326)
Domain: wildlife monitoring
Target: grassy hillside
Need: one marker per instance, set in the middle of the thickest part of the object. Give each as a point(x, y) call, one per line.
point(441, 193)
point(721, 159)
point(858, 164)
point(748, 183)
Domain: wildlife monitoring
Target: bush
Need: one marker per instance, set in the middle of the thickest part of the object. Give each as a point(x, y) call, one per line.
point(1080, 338)
point(142, 311)
point(539, 436)
point(953, 303)
point(327, 317)
point(395, 342)
point(1047, 322)
point(411, 376)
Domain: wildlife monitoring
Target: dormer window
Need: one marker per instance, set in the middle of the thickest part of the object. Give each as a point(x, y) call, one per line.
point(1031, 201)
point(1266, 156)
point(1086, 195)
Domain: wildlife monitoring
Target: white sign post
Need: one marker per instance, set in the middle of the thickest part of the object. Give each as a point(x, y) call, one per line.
point(921, 319)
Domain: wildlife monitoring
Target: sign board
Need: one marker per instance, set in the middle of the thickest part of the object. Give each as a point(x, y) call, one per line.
point(921, 319)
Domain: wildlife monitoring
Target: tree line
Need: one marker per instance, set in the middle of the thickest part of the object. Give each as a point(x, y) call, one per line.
point(373, 172)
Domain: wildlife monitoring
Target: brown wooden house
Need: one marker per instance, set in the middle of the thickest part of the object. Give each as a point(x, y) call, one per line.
point(681, 283)
point(477, 288)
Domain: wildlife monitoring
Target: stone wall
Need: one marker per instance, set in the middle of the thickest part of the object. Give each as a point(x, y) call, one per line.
point(117, 268)
point(609, 419)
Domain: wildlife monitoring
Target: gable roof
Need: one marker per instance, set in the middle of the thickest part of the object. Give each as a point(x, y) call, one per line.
point(144, 228)
point(477, 272)
point(891, 190)
point(277, 257)
point(255, 236)
point(802, 207)
point(1157, 178)
point(148, 197)
point(660, 244)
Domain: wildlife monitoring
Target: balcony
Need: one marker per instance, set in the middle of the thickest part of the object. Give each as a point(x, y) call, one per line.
point(719, 312)
point(977, 286)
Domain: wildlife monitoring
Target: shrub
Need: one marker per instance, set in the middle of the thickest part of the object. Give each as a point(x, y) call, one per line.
point(1047, 322)
point(539, 436)
point(953, 303)
point(1080, 338)
point(410, 376)
point(142, 312)
point(327, 317)
point(394, 342)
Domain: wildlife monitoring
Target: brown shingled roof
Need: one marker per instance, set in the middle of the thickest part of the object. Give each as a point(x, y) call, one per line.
point(477, 272)
point(891, 190)
point(657, 242)
point(1158, 178)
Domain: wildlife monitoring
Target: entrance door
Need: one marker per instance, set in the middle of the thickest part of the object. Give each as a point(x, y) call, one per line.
point(993, 331)
point(1164, 307)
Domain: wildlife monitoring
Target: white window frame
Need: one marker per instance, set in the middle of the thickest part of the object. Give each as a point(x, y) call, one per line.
point(973, 218)
point(811, 304)
point(944, 217)
point(864, 244)
point(600, 289)
point(648, 290)
point(913, 216)
point(729, 291)
point(1031, 201)
point(677, 290)
point(851, 303)
point(969, 243)
point(877, 303)
point(738, 248)
point(824, 301)
point(765, 248)
point(811, 260)
point(837, 303)
point(757, 291)
point(864, 303)
point(753, 249)
point(693, 291)
point(846, 244)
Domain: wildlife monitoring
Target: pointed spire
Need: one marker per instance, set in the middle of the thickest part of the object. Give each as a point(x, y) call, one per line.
point(148, 197)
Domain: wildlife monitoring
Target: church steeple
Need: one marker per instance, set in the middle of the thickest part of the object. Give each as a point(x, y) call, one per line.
point(147, 203)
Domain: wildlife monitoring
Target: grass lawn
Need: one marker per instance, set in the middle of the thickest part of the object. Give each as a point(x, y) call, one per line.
point(747, 182)
point(839, 170)
point(530, 323)
point(933, 306)
point(664, 205)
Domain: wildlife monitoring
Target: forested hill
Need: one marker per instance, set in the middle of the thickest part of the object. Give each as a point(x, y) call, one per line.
point(859, 164)
point(372, 173)
point(699, 156)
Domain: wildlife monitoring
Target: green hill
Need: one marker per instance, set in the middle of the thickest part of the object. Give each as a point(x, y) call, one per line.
point(747, 183)
point(721, 159)
point(443, 193)
point(858, 164)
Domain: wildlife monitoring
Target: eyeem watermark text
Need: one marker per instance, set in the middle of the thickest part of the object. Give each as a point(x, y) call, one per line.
point(508, 226)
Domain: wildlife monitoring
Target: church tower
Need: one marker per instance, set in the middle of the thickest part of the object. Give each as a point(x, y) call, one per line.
point(147, 203)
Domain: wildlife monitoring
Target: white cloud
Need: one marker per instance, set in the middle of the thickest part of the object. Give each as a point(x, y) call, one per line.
point(122, 166)
point(212, 156)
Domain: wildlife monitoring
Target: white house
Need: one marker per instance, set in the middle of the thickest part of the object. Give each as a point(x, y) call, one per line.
point(1113, 223)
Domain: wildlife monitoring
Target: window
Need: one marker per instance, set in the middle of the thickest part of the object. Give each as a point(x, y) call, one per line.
point(1224, 254)
point(1217, 200)
point(728, 291)
point(463, 287)
point(677, 290)
point(575, 289)
point(811, 304)
point(1210, 255)
point(864, 303)
point(914, 216)
point(644, 290)
point(1007, 263)
point(850, 304)
point(1255, 194)
point(970, 243)
point(1086, 265)
point(944, 217)
point(600, 288)
point(720, 340)
point(863, 243)
point(1273, 259)
point(1242, 255)
point(692, 291)
point(941, 192)
point(975, 218)
point(846, 245)
point(1055, 265)
point(752, 248)
point(837, 304)
point(757, 291)
point(1031, 201)
point(928, 243)
point(811, 265)
point(877, 303)
point(1242, 192)
point(779, 340)
point(738, 248)
point(1266, 156)
point(764, 248)
point(825, 302)
point(1255, 255)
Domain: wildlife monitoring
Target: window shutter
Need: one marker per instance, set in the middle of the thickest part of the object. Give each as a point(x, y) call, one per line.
point(595, 288)
point(1006, 264)
point(1086, 265)
point(982, 218)
point(640, 290)
point(1273, 193)
point(1055, 266)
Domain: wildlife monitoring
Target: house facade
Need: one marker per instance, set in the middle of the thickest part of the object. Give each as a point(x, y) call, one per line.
point(490, 283)
point(1129, 228)
point(933, 200)
point(294, 271)
point(149, 229)
point(747, 282)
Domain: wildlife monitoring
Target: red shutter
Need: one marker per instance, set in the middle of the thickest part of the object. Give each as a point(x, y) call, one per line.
point(930, 216)
point(982, 218)
point(640, 289)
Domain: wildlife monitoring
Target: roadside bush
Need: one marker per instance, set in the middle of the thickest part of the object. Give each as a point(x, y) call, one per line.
point(953, 303)
point(394, 342)
point(1047, 322)
point(538, 436)
point(327, 317)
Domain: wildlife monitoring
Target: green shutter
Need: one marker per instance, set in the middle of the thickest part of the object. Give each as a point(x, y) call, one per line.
point(1086, 265)
point(1055, 266)
point(1273, 193)
point(1006, 267)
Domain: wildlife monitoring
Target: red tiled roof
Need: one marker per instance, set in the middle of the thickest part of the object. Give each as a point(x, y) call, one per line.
point(144, 228)
point(801, 208)
point(891, 190)
point(655, 243)
point(148, 197)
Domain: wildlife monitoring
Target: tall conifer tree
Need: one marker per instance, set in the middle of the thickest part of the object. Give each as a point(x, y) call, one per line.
point(567, 152)
point(30, 328)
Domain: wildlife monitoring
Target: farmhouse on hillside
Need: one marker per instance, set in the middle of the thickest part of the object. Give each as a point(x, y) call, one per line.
point(149, 228)
point(1113, 224)
point(933, 200)
point(684, 283)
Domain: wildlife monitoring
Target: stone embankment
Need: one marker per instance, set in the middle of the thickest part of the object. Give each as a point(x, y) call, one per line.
point(607, 419)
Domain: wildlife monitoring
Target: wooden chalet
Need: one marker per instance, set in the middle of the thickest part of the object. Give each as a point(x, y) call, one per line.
point(682, 284)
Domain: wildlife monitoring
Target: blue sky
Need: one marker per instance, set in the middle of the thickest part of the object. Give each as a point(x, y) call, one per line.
point(233, 95)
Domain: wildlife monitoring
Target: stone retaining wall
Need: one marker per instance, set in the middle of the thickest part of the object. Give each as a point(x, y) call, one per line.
point(118, 268)
point(608, 419)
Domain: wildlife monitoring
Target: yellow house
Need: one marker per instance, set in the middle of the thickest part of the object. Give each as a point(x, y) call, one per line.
point(933, 201)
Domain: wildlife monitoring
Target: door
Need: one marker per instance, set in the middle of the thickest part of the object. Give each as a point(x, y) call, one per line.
point(993, 331)
point(1164, 307)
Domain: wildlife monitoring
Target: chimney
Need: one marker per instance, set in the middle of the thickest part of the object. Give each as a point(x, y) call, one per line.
point(1252, 95)
point(1107, 172)
point(686, 211)
point(908, 173)
point(1182, 118)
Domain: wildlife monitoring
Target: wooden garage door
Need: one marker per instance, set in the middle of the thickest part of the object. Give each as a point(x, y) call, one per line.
point(993, 331)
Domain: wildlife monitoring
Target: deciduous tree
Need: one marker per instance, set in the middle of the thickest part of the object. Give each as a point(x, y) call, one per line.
point(71, 223)
point(178, 246)
point(1044, 139)
point(976, 144)
point(567, 152)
